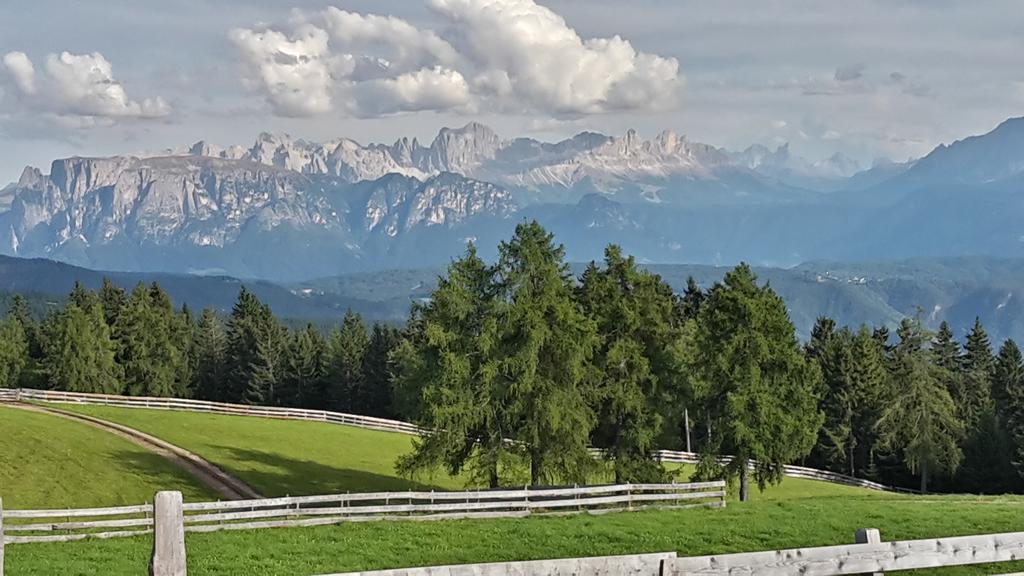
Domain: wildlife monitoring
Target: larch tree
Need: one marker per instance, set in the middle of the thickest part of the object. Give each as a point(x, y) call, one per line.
point(451, 359)
point(921, 421)
point(79, 352)
point(546, 343)
point(761, 393)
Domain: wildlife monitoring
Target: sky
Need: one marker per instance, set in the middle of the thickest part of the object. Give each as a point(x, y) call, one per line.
point(870, 78)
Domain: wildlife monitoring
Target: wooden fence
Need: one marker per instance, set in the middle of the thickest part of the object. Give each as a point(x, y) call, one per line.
point(27, 394)
point(169, 515)
point(868, 556)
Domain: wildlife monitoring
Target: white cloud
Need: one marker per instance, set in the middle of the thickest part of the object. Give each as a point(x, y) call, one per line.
point(295, 74)
point(508, 55)
point(77, 90)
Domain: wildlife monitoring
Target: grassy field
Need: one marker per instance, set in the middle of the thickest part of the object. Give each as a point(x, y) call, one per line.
point(51, 462)
point(279, 457)
point(758, 525)
point(283, 457)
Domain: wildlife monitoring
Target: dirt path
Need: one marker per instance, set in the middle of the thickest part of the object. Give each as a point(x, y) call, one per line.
point(219, 481)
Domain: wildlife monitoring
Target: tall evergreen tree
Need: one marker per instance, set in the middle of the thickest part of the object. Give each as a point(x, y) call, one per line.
point(254, 352)
point(451, 357)
point(79, 353)
point(693, 298)
point(546, 344)
point(377, 370)
point(211, 373)
point(1009, 392)
point(921, 421)
point(20, 312)
point(13, 351)
point(146, 351)
point(347, 389)
point(633, 364)
point(760, 392)
point(112, 298)
point(973, 393)
point(304, 369)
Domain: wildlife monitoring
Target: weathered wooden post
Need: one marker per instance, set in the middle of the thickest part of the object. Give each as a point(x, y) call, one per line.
point(1, 537)
point(168, 535)
point(869, 536)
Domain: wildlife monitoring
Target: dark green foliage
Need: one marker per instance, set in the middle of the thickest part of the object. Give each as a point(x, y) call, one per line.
point(633, 366)
point(210, 379)
point(762, 396)
point(79, 353)
point(451, 356)
point(305, 368)
point(13, 351)
point(254, 352)
point(543, 356)
point(921, 420)
point(377, 369)
point(148, 350)
point(346, 385)
point(1009, 392)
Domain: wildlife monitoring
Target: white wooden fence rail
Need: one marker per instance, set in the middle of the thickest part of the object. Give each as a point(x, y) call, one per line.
point(27, 526)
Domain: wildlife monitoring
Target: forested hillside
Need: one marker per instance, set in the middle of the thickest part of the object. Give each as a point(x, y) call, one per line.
point(612, 357)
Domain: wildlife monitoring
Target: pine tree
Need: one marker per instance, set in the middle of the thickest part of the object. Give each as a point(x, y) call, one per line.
point(13, 351)
point(921, 421)
point(633, 365)
point(347, 385)
point(973, 392)
point(761, 394)
point(304, 370)
point(1009, 392)
point(255, 345)
point(20, 312)
point(146, 351)
point(112, 298)
point(79, 353)
point(692, 300)
point(377, 370)
point(450, 356)
point(211, 344)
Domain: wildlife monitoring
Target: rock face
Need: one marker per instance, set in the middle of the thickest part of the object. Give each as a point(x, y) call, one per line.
point(571, 168)
point(204, 212)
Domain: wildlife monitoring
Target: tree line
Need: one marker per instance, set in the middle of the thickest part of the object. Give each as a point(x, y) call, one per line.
point(518, 364)
point(136, 343)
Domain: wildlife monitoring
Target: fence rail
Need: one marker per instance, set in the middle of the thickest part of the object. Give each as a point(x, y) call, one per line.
point(369, 422)
point(27, 526)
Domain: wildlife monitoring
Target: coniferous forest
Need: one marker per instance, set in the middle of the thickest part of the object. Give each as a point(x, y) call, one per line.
point(518, 361)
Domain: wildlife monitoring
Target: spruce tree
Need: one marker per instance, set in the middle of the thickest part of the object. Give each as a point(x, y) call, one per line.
point(973, 392)
point(20, 312)
point(255, 345)
point(1009, 392)
point(79, 353)
point(112, 298)
point(211, 373)
point(146, 351)
point(347, 386)
point(13, 351)
point(693, 298)
point(920, 421)
point(450, 356)
point(377, 370)
point(633, 365)
point(760, 392)
point(304, 369)
point(545, 348)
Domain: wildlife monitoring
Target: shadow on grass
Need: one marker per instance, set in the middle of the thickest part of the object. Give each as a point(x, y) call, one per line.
point(156, 471)
point(295, 477)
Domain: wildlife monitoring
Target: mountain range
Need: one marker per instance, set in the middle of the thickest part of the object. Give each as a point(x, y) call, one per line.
point(286, 209)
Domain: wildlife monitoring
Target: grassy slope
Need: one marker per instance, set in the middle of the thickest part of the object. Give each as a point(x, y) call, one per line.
point(758, 525)
point(50, 462)
point(281, 456)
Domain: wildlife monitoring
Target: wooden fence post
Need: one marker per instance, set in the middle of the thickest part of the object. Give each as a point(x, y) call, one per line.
point(869, 536)
point(168, 535)
point(1, 537)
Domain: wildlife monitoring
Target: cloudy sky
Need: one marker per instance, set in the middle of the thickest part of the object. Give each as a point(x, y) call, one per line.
point(872, 78)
